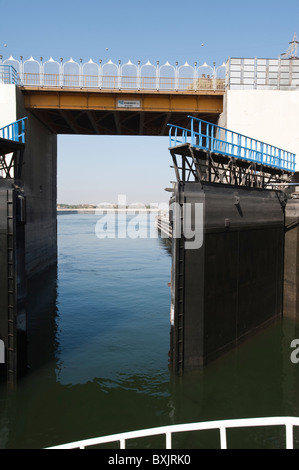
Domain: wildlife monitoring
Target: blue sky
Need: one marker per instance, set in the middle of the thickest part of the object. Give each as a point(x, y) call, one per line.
point(190, 31)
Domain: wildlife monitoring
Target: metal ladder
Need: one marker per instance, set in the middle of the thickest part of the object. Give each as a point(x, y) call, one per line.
point(180, 291)
point(11, 292)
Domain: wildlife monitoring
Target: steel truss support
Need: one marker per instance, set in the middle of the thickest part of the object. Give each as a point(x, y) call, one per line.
point(191, 164)
point(11, 164)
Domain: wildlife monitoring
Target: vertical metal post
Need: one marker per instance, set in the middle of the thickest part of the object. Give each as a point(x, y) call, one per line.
point(262, 152)
point(183, 168)
point(122, 443)
point(176, 78)
point(212, 138)
point(168, 440)
point(61, 73)
point(23, 131)
point(138, 75)
point(279, 157)
point(214, 78)
point(80, 74)
point(239, 145)
point(289, 436)
point(157, 75)
point(100, 75)
point(192, 133)
point(195, 77)
point(21, 71)
point(199, 138)
point(223, 441)
point(41, 74)
point(225, 140)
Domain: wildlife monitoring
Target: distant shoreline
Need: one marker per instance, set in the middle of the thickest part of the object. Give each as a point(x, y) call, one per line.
point(102, 210)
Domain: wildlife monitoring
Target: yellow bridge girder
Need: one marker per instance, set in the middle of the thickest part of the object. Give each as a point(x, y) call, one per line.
point(118, 111)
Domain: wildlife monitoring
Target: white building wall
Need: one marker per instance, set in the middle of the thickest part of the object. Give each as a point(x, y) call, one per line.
point(271, 116)
point(8, 104)
point(8, 109)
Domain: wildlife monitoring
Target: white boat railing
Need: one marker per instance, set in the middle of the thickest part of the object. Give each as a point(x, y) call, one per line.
point(222, 425)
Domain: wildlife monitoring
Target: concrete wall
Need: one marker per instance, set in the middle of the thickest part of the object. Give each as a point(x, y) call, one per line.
point(25, 249)
point(291, 261)
point(271, 116)
point(8, 105)
point(40, 186)
point(39, 179)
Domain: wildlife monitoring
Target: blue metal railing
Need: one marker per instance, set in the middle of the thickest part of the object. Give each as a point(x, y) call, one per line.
point(14, 131)
point(207, 136)
point(8, 75)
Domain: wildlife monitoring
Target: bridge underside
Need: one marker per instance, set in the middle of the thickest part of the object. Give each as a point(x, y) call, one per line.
point(66, 111)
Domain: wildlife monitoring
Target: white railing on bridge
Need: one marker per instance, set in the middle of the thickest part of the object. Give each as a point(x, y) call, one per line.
point(286, 421)
point(110, 75)
point(237, 73)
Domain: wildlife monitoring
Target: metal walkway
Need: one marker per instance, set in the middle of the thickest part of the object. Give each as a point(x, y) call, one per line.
point(216, 154)
point(12, 145)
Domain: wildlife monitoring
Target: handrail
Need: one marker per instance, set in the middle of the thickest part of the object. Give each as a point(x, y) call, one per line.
point(14, 131)
point(8, 75)
point(211, 137)
point(124, 82)
point(222, 425)
point(118, 75)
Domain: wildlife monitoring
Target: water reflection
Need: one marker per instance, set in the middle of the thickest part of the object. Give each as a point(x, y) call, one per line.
point(42, 319)
point(256, 379)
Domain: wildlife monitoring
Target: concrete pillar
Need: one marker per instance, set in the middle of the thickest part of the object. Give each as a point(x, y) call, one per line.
point(28, 239)
point(40, 186)
point(8, 104)
point(39, 181)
